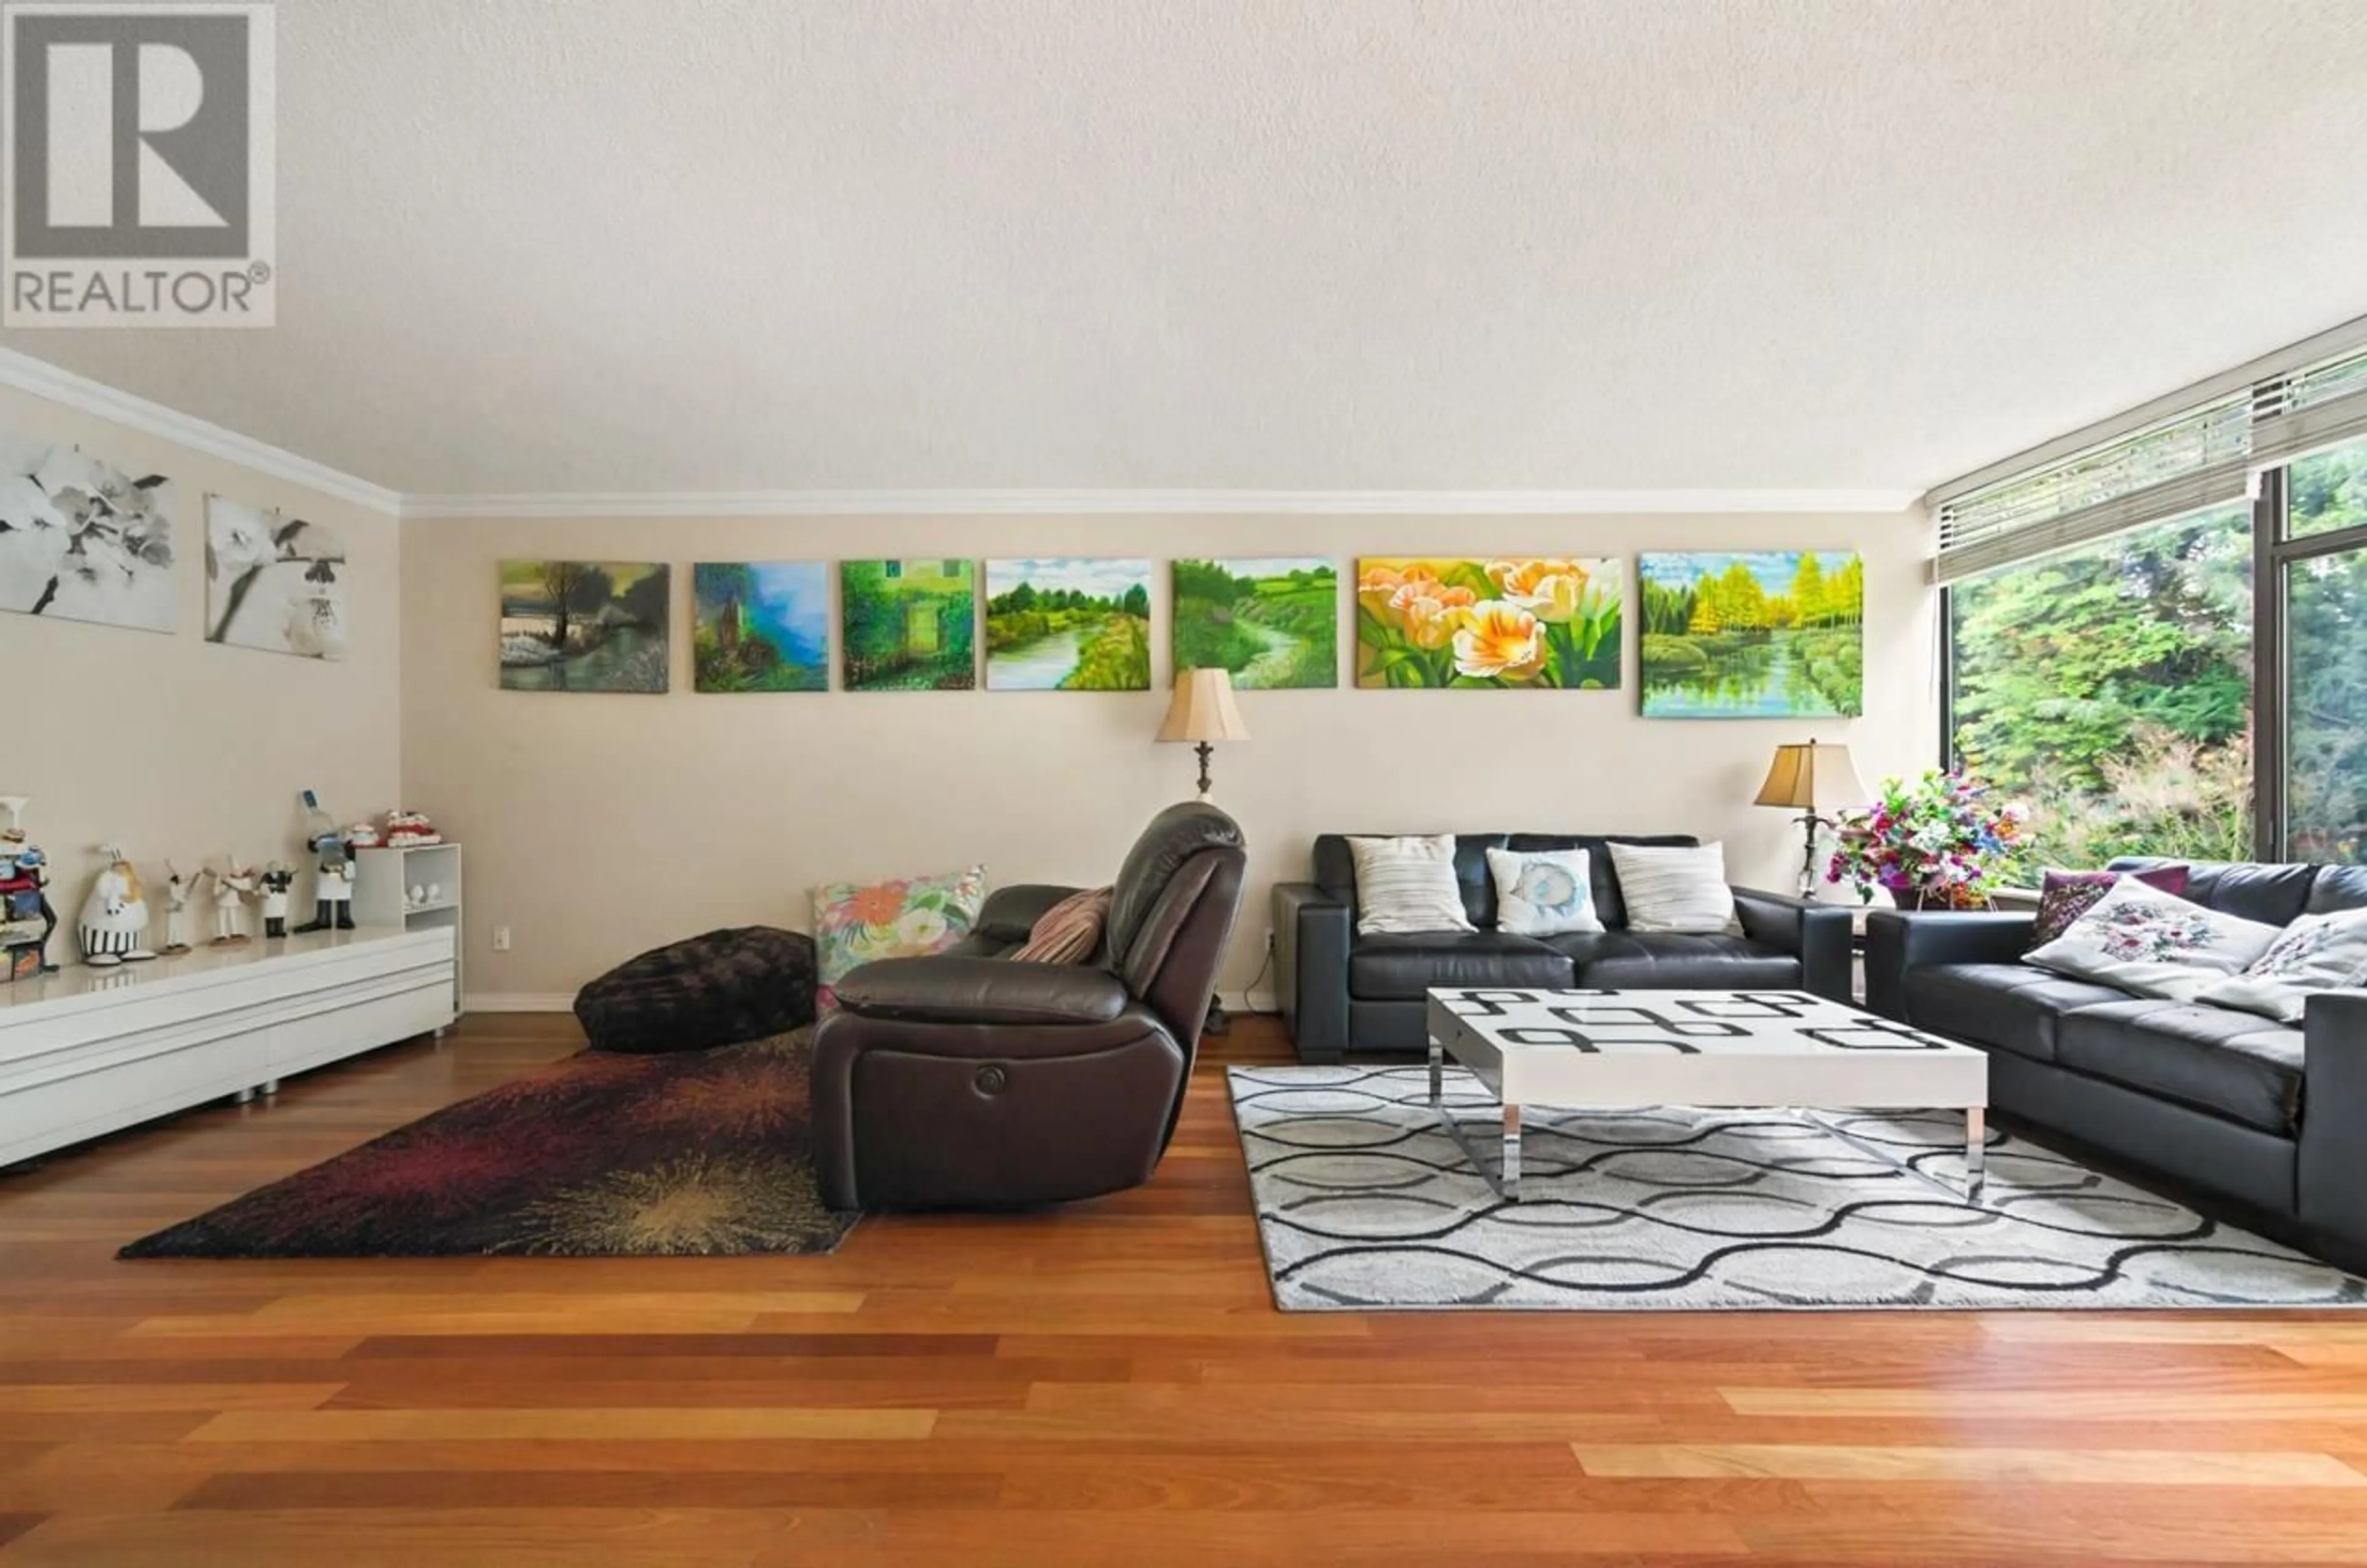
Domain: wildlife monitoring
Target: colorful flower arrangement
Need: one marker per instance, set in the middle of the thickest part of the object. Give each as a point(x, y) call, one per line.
point(1939, 842)
point(1501, 623)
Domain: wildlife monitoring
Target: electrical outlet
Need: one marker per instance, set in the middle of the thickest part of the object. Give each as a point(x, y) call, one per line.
point(501, 939)
point(1269, 942)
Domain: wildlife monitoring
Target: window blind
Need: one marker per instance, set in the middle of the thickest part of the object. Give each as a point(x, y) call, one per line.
point(2177, 455)
point(2322, 406)
point(2197, 459)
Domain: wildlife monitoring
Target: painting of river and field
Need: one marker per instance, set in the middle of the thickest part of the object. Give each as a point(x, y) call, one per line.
point(580, 625)
point(759, 627)
point(1522, 623)
point(907, 626)
point(1754, 634)
point(1273, 621)
point(1066, 624)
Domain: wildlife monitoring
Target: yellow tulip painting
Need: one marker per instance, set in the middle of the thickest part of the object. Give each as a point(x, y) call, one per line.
point(1545, 623)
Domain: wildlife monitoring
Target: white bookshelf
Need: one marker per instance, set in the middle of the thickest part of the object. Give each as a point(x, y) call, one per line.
point(383, 882)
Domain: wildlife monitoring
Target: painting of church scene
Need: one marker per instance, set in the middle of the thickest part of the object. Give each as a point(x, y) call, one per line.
point(759, 627)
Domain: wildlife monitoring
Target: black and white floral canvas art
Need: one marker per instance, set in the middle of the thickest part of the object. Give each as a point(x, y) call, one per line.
point(272, 582)
point(83, 540)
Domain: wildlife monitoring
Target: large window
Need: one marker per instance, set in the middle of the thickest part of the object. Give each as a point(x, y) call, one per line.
point(2108, 689)
point(2157, 626)
point(2321, 552)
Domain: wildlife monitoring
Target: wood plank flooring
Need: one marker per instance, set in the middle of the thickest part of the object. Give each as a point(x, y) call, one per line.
point(1105, 1385)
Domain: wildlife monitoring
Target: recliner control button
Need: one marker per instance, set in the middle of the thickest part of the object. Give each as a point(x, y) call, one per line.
point(991, 1080)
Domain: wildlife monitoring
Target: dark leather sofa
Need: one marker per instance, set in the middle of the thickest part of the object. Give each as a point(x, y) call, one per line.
point(967, 1081)
point(2230, 1106)
point(1340, 991)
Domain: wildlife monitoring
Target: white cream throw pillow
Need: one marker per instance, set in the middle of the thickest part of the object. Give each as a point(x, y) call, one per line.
point(2317, 952)
point(1679, 889)
point(1407, 884)
point(2145, 941)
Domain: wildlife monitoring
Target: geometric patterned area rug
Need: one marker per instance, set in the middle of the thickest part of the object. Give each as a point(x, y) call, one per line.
point(1363, 1203)
point(694, 1153)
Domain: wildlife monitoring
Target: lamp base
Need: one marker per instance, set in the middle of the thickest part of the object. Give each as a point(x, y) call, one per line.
point(1218, 1021)
point(1808, 826)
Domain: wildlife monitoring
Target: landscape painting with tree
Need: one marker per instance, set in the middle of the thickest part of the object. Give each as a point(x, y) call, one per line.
point(759, 627)
point(1548, 623)
point(907, 626)
point(1272, 621)
point(1754, 634)
point(1067, 625)
point(573, 625)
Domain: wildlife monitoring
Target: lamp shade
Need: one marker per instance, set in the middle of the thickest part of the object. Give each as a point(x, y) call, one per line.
point(1202, 708)
point(1816, 776)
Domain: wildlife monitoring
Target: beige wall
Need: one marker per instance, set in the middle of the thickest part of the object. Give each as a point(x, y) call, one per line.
point(176, 748)
point(601, 824)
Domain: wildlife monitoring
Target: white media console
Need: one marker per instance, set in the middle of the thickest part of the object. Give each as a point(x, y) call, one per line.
point(87, 1051)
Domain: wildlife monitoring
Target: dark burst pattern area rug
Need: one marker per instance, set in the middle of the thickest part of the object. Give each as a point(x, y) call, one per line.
point(1364, 1201)
point(700, 1152)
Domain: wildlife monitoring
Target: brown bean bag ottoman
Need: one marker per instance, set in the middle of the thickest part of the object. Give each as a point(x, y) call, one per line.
point(722, 989)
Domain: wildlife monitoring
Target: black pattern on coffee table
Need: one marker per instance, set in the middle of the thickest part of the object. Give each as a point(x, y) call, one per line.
point(1683, 1023)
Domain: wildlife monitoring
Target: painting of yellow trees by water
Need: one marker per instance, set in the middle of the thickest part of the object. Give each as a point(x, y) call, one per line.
point(1066, 624)
point(1540, 623)
point(1754, 634)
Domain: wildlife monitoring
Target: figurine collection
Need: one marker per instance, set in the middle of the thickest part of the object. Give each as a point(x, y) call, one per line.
point(112, 926)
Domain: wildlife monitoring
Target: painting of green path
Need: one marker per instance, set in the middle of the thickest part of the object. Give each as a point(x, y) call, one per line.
point(1068, 624)
point(907, 626)
point(1273, 621)
point(759, 627)
point(1754, 634)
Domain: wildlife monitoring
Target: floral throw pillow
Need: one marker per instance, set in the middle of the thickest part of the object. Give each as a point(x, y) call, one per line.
point(2147, 942)
point(2317, 952)
point(2065, 896)
point(855, 923)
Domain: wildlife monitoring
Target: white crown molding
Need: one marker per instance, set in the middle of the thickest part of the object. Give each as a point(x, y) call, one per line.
point(43, 379)
point(63, 387)
point(1166, 502)
point(518, 1001)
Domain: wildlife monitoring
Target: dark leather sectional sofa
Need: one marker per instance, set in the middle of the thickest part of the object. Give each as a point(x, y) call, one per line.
point(2230, 1106)
point(1340, 991)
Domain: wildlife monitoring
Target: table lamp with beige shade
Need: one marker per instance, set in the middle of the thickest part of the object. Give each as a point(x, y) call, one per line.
point(1817, 779)
point(1203, 712)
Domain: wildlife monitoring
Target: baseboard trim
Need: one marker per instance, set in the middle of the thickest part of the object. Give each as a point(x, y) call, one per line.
point(521, 1001)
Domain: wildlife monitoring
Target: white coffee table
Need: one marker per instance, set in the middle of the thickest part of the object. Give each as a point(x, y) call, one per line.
point(1621, 1050)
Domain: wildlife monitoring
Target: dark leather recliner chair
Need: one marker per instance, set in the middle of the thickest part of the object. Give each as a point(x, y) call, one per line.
point(967, 1081)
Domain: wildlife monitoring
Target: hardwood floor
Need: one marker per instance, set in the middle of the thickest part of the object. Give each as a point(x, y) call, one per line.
point(1104, 1385)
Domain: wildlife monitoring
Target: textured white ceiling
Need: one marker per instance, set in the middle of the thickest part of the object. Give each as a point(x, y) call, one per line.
point(738, 244)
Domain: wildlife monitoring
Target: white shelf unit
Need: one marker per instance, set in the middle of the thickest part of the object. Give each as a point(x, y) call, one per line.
point(383, 879)
point(85, 1051)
